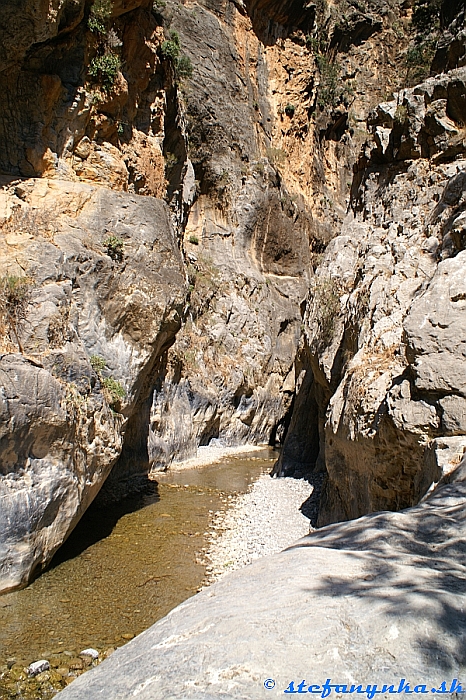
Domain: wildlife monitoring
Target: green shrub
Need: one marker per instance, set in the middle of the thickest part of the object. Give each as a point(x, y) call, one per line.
point(158, 5)
point(101, 11)
point(194, 240)
point(184, 67)
point(113, 392)
point(15, 293)
point(171, 51)
point(171, 47)
point(104, 69)
point(290, 109)
point(114, 247)
point(98, 363)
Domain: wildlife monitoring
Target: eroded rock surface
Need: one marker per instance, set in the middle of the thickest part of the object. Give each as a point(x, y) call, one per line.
point(64, 417)
point(314, 178)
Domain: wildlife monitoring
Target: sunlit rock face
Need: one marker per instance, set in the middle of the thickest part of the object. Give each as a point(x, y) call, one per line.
point(63, 414)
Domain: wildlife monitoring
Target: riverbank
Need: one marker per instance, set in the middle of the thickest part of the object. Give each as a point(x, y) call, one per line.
point(265, 520)
point(124, 567)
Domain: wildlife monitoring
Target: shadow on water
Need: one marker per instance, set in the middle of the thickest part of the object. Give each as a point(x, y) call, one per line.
point(100, 519)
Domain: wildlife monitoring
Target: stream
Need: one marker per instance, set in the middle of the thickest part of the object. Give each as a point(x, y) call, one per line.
point(123, 568)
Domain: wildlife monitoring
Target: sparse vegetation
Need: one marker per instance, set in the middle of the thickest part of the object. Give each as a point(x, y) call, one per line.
point(171, 51)
point(104, 69)
point(170, 160)
point(101, 11)
point(114, 247)
point(114, 392)
point(58, 330)
point(171, 47)
point(158, 5)
point(426, 23)
point(98, 363)
point(330, 91)
point(401, 114)
point(290, 109)
point(112, 389)
point(184, 67)
point(194, 240)
point(277, 156)
point(15, 293)
point(418, 60)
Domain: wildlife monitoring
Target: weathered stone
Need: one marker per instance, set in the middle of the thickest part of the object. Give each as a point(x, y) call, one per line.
point(59, 437)
point(436, 329)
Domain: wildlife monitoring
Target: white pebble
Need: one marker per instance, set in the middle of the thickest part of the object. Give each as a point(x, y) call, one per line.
point(93, 653)
point(38, 667)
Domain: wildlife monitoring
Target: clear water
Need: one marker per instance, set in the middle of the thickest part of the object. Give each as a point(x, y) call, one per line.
point(125, 566)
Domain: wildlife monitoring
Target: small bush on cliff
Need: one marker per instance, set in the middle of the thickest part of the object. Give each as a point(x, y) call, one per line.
point(171, 51)
point(14, 297)
point(329, 91)
point(98, 363)
point(171, 47)
point(104, 69)
point(184, 67)
point(113, 392)
point(101, 11)
point(112, 389)
point(114, 247)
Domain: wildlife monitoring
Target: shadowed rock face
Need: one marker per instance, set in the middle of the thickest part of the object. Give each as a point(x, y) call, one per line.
point(367, 602)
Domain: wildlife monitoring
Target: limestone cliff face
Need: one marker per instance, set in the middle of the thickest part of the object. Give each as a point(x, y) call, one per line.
point(288, 284)
point(94, 330)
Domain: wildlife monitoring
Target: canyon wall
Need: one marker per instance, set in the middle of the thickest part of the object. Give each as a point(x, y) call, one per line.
point(232, 221)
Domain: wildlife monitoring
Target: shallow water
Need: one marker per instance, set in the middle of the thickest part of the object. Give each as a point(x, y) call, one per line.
point(125, 566)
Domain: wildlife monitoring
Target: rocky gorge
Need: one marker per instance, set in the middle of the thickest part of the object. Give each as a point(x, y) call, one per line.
point(235, 223)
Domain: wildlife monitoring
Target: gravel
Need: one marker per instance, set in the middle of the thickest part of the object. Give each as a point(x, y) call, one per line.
point(262, 521)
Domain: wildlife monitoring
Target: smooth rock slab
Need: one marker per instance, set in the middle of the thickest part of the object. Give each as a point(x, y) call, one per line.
point(375, 600)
